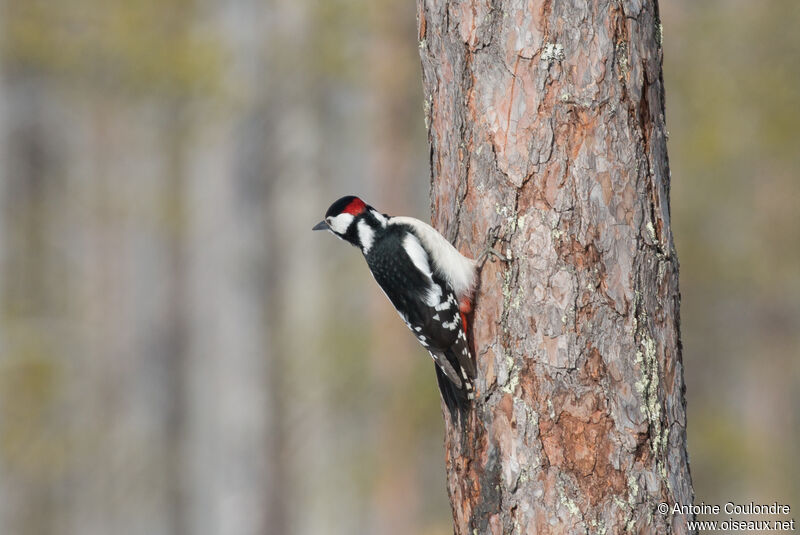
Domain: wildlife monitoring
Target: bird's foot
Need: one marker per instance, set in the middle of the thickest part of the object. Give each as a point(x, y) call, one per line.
point(489, 252)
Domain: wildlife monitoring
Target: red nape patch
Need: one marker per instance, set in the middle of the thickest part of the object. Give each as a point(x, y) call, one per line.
point(355, 207)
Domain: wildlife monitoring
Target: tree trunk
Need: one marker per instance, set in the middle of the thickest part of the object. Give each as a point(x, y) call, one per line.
point(546, 123)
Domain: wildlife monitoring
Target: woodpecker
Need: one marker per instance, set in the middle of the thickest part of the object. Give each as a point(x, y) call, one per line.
point(428, 282)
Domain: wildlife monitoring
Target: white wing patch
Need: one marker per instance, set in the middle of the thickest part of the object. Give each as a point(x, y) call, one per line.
point(433, 297)
point(417, 254)
point(455, 268)
point(365, 235)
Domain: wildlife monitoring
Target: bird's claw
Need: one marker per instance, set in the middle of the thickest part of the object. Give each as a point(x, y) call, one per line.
point(490, 252)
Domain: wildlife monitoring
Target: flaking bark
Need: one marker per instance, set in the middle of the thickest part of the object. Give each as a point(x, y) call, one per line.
point(546, 123)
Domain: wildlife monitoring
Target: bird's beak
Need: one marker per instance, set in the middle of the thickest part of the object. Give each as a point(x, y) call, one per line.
point(322, 225)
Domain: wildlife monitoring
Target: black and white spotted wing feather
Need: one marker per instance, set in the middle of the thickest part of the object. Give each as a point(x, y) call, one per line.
point(429, 305)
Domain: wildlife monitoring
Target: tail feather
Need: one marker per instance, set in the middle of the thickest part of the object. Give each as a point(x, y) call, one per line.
point(455, 399)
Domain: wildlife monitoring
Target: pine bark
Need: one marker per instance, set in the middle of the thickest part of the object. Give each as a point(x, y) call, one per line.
point(546, 125)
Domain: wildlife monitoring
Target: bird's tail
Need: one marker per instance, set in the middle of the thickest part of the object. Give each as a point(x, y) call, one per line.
point(456, 399)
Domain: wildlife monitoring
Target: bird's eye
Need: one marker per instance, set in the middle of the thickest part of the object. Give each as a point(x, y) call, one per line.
point(328, 220)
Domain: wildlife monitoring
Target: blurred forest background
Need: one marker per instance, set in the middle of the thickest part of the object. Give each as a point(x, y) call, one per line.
point(180, 354)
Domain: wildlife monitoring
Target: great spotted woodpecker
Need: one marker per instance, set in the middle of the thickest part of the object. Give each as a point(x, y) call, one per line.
point(427, 280)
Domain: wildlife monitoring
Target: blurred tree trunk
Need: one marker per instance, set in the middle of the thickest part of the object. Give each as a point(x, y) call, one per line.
point(546, 122)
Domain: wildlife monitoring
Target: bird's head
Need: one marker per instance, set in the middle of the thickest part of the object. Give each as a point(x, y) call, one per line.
point(353, 220)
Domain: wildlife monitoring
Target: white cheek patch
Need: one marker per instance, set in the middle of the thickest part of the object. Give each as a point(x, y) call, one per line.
point(341, 223)
point(365, 235)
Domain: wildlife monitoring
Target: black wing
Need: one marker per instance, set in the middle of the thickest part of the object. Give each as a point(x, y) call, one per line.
point(427, 305)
